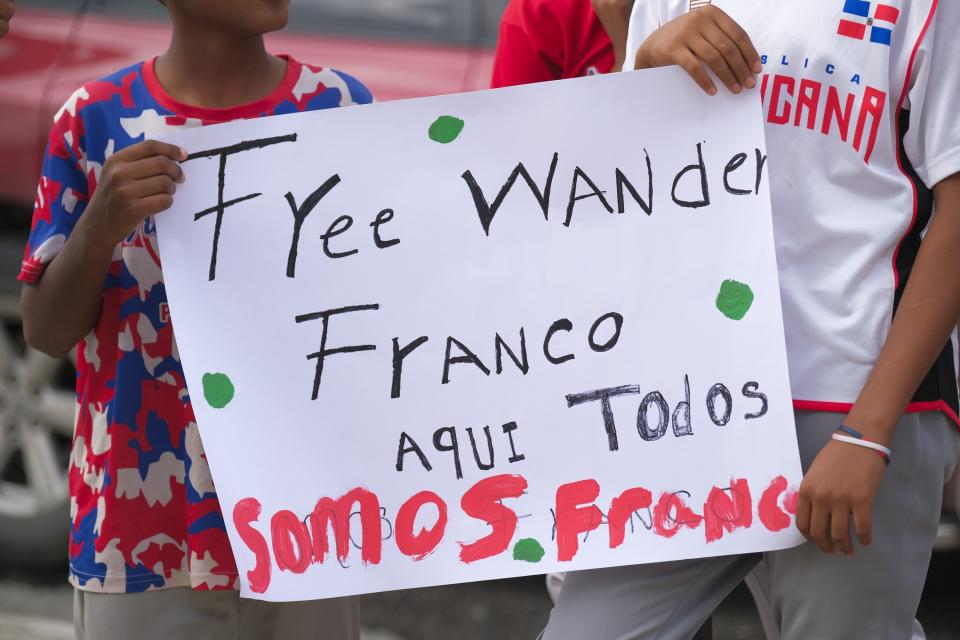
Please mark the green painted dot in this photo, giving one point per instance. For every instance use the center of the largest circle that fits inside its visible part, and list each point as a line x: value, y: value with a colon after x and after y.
x: 735, y: 299
x: 446, y: 129
x: 528, y: 550
x: 217, y: 389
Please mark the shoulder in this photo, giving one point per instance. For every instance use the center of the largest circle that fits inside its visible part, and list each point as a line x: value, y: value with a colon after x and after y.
x: 319, y: 87
x: 114, y: 90
x: 95, y: 109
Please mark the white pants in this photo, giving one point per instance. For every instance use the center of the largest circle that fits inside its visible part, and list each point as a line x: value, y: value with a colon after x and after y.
x: 806, y: 593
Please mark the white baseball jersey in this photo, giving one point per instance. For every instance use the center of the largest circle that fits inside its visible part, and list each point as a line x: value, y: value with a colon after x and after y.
x: 862, y: 103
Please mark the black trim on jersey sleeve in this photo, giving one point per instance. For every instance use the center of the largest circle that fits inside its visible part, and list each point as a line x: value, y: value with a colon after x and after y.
x: 940, y: 382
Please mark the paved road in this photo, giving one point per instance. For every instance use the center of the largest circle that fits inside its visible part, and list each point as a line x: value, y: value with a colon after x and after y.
x: 38, y: 608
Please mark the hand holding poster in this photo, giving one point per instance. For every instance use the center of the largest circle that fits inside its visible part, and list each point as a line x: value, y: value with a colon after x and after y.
x: 485, y: 335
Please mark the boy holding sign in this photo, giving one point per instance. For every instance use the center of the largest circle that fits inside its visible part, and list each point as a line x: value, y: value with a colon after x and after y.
x: 861, y: 98
x: 145, y: 515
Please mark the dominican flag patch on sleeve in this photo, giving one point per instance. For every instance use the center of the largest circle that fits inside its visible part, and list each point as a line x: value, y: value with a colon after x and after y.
x: 859, y: 16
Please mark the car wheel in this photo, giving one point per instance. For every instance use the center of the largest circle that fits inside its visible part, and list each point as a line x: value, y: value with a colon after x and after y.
x: 37, y: 412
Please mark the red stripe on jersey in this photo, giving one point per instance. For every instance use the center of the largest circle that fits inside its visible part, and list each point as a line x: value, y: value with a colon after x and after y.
x: 887, y: 13
x: 846, y: 407
x: 936, y: 405
x: 852, y: 29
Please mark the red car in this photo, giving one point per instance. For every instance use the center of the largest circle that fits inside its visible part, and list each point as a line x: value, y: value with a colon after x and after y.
x: 399, y: 48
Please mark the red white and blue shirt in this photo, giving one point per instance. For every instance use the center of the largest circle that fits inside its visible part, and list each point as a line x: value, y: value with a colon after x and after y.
x: 143, y: 506
x: 862, y: 104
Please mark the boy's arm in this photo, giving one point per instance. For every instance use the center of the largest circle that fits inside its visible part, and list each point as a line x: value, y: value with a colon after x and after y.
x: 843, y: 478
x: 64, y: 304
x: 615, y: 17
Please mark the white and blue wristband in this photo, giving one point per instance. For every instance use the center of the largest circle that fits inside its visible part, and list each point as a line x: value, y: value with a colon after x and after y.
x: 852, y: 436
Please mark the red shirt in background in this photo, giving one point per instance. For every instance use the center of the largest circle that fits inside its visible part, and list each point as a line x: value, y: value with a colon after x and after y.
x: 549, y: 40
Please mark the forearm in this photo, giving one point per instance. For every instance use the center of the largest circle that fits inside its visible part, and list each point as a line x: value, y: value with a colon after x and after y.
x: 615, y: 17
x: 63, y: 307
x: 926, y: 317
x: 134, y: 184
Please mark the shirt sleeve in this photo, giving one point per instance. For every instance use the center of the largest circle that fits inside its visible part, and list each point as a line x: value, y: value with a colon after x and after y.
x: 932, y: 141
x: 359, y: 93
x: 62, y: 193
x: 529, y: 48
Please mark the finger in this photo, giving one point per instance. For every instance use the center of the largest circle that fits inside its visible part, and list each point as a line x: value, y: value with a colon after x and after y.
x: 863, y: 524
x: 149, y: 148
x: 690, y: 63
x: 739, y: 65
x: 152, y: 205
x: 840, y: 529
x: 714, y: 58
x: 154, y: 185
x: 736, y: 33
x: 804, y: 508
x: 155, y: 166
x: 820, y: 528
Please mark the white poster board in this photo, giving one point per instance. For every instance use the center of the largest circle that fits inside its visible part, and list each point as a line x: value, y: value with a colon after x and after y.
x: 495, y: 334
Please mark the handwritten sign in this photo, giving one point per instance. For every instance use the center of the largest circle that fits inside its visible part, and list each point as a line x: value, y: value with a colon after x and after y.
x: 485, y: 335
